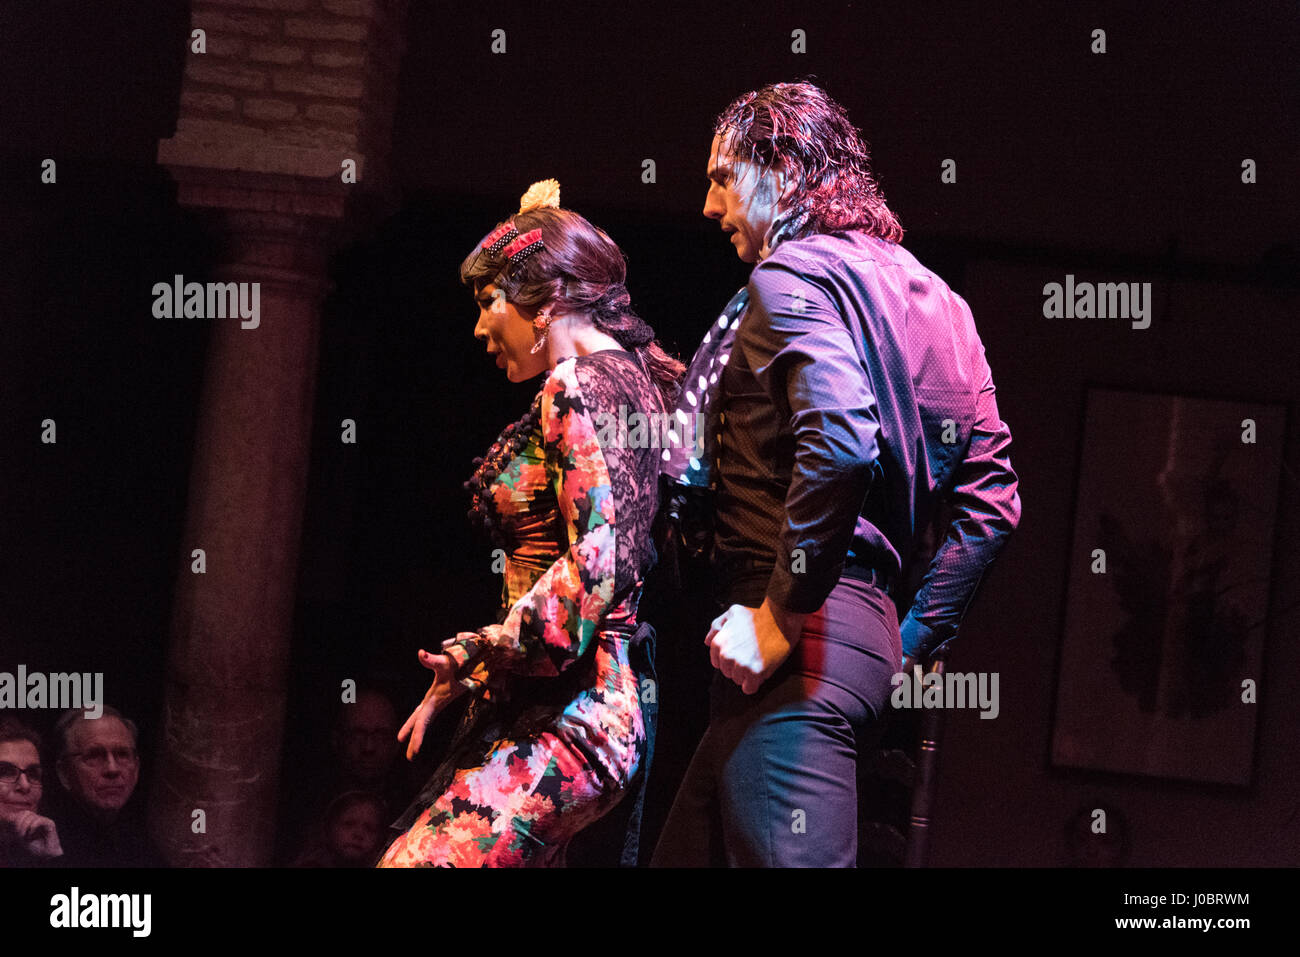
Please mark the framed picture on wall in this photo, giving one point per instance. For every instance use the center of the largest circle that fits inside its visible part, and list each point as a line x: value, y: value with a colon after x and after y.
x: 1168, y: 588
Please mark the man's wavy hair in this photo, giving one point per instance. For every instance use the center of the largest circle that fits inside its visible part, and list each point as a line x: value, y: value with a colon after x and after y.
x: 828, y: 160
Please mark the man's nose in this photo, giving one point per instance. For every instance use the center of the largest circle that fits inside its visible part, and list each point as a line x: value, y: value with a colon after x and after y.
x: 713, y: 207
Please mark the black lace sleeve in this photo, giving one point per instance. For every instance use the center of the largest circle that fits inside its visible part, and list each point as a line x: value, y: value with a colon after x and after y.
x: 631, y: 423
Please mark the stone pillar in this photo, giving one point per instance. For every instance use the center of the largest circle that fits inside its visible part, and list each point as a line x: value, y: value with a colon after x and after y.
x: 287, y: 92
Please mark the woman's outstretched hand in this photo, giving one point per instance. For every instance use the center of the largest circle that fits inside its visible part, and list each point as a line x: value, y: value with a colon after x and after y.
x: 445, y: 689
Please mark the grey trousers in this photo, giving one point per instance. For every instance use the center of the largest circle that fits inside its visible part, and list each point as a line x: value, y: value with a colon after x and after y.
x: 773, y: 782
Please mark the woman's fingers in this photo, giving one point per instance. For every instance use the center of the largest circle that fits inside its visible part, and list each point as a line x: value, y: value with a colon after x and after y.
x: 410, y: 722
x: 419, y: 721
x: 417, y: 738
x: 414, y: 726
x: 440, y: 692
x: 406, y: 728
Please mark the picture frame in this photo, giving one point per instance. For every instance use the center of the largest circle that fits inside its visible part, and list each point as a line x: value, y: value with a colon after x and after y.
x: 1168, y: 587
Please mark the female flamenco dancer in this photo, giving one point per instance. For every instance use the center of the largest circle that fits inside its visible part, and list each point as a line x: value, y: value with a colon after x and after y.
x: 555, y: 732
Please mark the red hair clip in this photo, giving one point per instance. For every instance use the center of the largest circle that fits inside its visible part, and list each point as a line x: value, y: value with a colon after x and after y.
x: 499, y: 237
x: 524, y: 246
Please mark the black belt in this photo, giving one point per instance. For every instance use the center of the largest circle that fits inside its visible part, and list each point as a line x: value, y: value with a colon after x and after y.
x: 635, y: 633
x: 872, y: 576
x: 731, y: 569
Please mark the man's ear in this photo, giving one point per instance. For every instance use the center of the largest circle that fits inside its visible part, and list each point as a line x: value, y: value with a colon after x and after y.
x: 61, y: 769
x: 784, y: 184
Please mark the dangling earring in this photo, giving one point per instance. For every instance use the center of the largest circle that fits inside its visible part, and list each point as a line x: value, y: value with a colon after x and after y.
x: 542, y: 324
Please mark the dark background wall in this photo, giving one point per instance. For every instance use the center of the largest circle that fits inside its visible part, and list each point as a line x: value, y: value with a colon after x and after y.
x: 1125, y: 165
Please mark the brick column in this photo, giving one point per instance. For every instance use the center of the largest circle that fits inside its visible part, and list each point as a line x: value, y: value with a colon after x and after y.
x: 286, y: 91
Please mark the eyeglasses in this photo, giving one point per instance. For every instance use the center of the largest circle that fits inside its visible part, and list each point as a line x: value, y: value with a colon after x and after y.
x: 97, y: 758
x: 9, y: 773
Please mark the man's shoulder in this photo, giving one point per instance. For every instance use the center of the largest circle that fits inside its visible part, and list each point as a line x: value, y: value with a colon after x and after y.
x: 828, y: 253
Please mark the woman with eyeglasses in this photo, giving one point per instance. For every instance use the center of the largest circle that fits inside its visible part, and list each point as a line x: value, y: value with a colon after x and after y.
x: 27, y: 839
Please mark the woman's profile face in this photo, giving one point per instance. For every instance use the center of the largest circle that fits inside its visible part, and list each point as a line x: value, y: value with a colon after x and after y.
x: 508, y: 334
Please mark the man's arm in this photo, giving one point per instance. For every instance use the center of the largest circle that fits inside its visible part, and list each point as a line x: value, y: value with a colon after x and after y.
x: 986, y: 509
x: 804, y: 358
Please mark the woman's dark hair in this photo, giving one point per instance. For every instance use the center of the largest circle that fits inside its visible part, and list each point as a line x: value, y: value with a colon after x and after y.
x: 828, y: 160
x: 347, y: 801
x: 11, y: 729
x: 582, y: 271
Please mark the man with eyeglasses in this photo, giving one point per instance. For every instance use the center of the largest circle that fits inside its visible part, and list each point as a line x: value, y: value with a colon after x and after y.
x: 99, y: 767
x: 27, y: 839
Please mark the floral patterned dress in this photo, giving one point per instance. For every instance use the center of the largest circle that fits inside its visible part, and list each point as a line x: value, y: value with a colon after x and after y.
x: 555, y: 732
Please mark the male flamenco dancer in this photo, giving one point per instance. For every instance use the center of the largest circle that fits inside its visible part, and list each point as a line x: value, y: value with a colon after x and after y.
x: 846, y: 393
